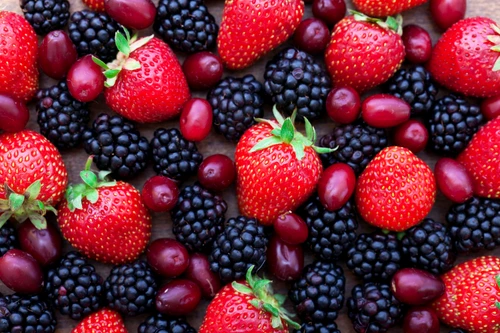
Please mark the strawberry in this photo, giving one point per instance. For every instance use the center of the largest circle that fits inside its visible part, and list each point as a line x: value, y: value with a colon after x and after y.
x: 251, y: 28
x: 18, y: 66
x: 277, y: 168
x: 481, y: 158
x: 364, y: 52
x: 472, y: 295
x: 33, y: 177
x: 103, y: 321
x: 466, y: 59
x: 396, y: 190
x: 105, y: 220
x: 382, y: 8
x: 96, y: 5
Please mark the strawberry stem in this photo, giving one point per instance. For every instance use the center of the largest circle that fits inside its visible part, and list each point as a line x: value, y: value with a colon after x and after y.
x: 391, y: 23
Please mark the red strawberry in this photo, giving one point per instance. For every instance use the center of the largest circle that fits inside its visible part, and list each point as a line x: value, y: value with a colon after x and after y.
x: 105, y: 220
x: 97, y: 5
x: 251, y: 28
x: 364, y: 52
x: 31, y: 165
x: 467, y: 58
x: 396, y: 190
x: 18, y: 67
x: 471, y: 296
x: 481, y: 158
x: 103, y: 321
x: 382, y: 8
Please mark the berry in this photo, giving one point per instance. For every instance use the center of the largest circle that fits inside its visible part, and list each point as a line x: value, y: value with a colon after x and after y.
x: 45, y: 245
x: 56, y: 54
x: 383, y: 110
x: 160, y: 323
x: 8, y: 238
x: 85, y: 79
x: 416, y: 287
x: 160, y: 194
x: 285, y: 261
x: 445, y: 13
x: 453, y: 180
x: 318, y: 328
x: 329, y: 11
x: 382, y: 8
x: 217, y: 172
x: 203, y: 70
x: 200, y: 273
x: 136, y: 14
x: 343, y: 105
x: 411, y: 134
x: 421, y: 319
x: 167, y: 257
x: 418, y: 44
x: 196, y: 119
x: 291, y: 228
x: 311, y: 36
x: 46, y: 16
x: 104, y: 320
x: 336, y: 186
x: 491, y: 108
x: 14, y: 115
x: 26, y: 314
x: 178, y: 297
x: 97, y: 5
x: 20, y: 272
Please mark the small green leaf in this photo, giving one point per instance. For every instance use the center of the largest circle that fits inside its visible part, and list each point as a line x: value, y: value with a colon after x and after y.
x: 497, y: 304
x: 93, y: 196
x: 4, y: 218
x: 293, y: 116
x: 249, y: 276
x: 309, y: 130
x: 110, y: 82
x: 392, y: 23
x: 51, y: 209
x: 287, y: 131
x: 127, y: 33
x: 271, y: 309
x: 496, y: 67
x: 400, y: 235
x: 495, y: 28
x: 298, y: 148
x: 111, y: 73
x: 122, y: 43
x: 324, y: 150
x: 255, y: 302
x: 38, y: 221
x: 34, y: 189
x: 277, y: 115
x: 100, y: 63
x: 497, y: 279
x: 131, y: 64
x: 280, y: 298
x: 276, y: 322
x: 103, y: 174
x: 140, y: 43
x: 107, y: 184
x: 495, y: 39
x: 77, y: 202
x: 261, y: 285
x: 265, y: 143
x: 89, y: 178
x: 276, y: 132
x: 4, y: 205
x: 241, y: 288
x: 41, y: 205
x: 16, y: 201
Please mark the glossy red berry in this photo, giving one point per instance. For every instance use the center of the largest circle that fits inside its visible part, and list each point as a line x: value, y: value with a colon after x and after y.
x: 196, y: 119
x: 418, y: 44
x: 412, y: 135
x: 134, y: 14
x: 178, y: 298
x: 343, y: 105
x: 421, y: 320
x: 56, y: 54
x: 217, y: 172
x: 167, y: 257
x: 311, y: 36
x: 20, y: 272
x: 453, y: 180
x: 199, y: 272
x: 291, y: 228
x: 383, y: 111
x: 329, y: 11
x: 160, y: 193
x: 285, y: 261
x: 445, y: 13
x: 203, y: 70
x: 336, y: 186
x: 85, y: 79
x: 44, y: 245
x: 14, y: 115
x: 416, y: 287
x: 491, y: 107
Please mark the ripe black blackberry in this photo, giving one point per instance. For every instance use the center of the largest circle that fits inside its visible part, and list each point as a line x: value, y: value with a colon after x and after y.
x: 198, y: 217
x: 452, y: 123
x: 131, y: 288
x: 8, y: 239
x: 357, y: 144
x: 242, y: 244
x: 331, y: 233
x: 62, y: 119
x: 318, y: 328
x: 318, y: 295
x: 173, y: 155
x: 236, y: 102
x: 117, y: 146
x: 24, y: 313
x: 416, y: 87
x: 159, y: 323
x: 74, y: 287
x: 475, y: 224
x: 186, y: 25
x: 295, y: 80
x: 429, y: 246
x: 94, y: 33
x: 375, y: 256
x: 373, y: 308
x: 46, y: 15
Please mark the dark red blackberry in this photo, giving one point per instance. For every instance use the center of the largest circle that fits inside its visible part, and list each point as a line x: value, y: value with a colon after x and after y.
x: 62, y: 119
x: 159, y: 323
x: 8, y: 238
x: 46, y: 15
x: 236, y: 102
x: 296, y: 81
x: 318, y: 328
x: 24, y: 313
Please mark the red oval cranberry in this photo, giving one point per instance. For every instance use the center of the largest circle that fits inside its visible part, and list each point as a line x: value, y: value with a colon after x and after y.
x: 202, y: 70
x: 44, y: 245
x: 291, y: 228
x: 14, y: 115
x: 217, y: 172
x: 412, y: 135
x: 329, y: 11
x: 160, y: 193
x: 20, y: 272
x: 56, y: 54
x: 343, y: 105
x: 134, y: 14
x: 285, y: 261
x: 418, y: 44
x: 178, y: 298
x: 312, y: 36
x: 447, y: 12
x: 421, y: 320
x: 491, y: 107
x: 196, y: 119
x: 336, y: 186
x: 167, y: 257
x: 416, y: 287
x: 199, y: 272
x: 85, y: 79
x: 453, y: 180
x: 384, y: 111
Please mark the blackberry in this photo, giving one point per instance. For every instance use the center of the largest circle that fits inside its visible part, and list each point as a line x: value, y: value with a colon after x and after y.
x: 198, y: 217
x: 131, y: 288
x: 173, y: 155
x: 475, y: 224
x: 373, y: 308
x: 318, y: 295
x: 8, y: 239
x: 186, y: 25
x: 331, y: 233
x: 241, y: 245
x: 26, y: 313
x: 356, y: 145
x: 74, y: 287
x: 46, y: 15
x: 429, y: 246
x: 236, y: 102
x: 62, y: 119
x: 318, y: 328
x: 458, y: 330
x: 295, y: 80
x: 94, y: 33
x: 375, y: 257
x: 117, y: 146
x: 415, y: 86
x: 452, y: 123
x: 159, y: 323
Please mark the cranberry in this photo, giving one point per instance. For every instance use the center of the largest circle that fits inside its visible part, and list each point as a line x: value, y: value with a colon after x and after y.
x: 343, y: 105
x: 56, y: 54
x: 199, y: 272
x: 85, y: 79
x: 216, y: 172
x: 416, y: 287
x: 160, y: 193
x: 383, y: 111
x: 491, y: 107
x: 312, y: 36
x: 418, y: 44
x: 285, y: 261
x: 447, y: 12
x: 196, y: 119
x: 203, y: 70
x: 453, y: 180
x: 44, y: 245
x: 336, y: 186
x: 178, y: 298
x: 412, y: 135
x: 14, y: 115
x: 20, y: 272
x: 329, y: 11
x: 421, y: 320
x: 167, y: 257
x: 291, y: 228
x: 134, y: 14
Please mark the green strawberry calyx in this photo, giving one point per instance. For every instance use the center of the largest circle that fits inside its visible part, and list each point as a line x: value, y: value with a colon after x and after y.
x: 75, y: 193
x: 22, y: 207
x: 265, y: 299
x: 497, y: 280
x: 495, y: 39
x: 391, y: 23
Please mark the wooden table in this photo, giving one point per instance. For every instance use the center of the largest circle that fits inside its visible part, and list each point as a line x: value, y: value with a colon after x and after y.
x: 215, y: 143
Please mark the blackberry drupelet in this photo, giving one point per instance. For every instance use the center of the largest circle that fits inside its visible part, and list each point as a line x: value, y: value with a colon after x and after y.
x: 373, y: 308
x: 117, y: 146
x: 429, y: 246
x: 452, y: 123
x: 24, y: 313
x: 94, y: 33
x: 318, y: 328
x: 295, y: 80
x: 159, y: 323
x: 74, y: 287
x: 236, y: 102
x: 8, y: 239
x: 131, y: 288
x: 357, y: 144
x: 318, y: 295
x: 475, y: 224
x: 46, y: 15
x: 415, y: 86
x: 242, y: 244
x: 174, y: 156
x: 198, y: 217
x: 186, y: 25
x: 458, y: 330
x: 375, y: 256
x: 62, y: 119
